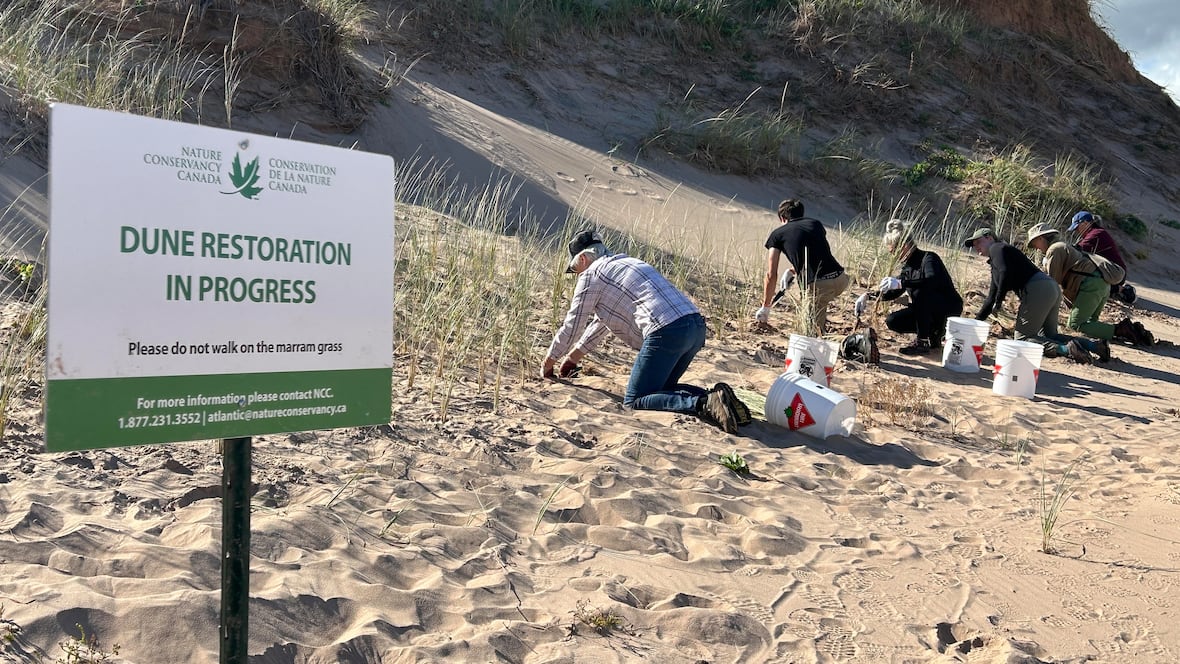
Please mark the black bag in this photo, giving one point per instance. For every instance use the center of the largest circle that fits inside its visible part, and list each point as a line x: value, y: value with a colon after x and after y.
x: 861, y: 347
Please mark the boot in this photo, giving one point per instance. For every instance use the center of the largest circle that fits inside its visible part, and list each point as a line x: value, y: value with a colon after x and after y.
x: 1143, y: 336
x: 1125, y: 330
x: 1102, y: 350
x: 715, y: 409
x: 740, y: 410
x: 1077, y: 353
x: 919, y: 347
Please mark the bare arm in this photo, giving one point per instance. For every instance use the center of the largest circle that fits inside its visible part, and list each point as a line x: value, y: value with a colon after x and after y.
x: 771, y: 282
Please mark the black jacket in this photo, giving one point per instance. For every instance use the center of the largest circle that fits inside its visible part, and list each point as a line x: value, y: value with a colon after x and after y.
x: 928, y: 282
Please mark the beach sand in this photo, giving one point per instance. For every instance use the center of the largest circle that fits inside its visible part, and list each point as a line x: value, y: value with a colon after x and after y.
x: 563, y: 528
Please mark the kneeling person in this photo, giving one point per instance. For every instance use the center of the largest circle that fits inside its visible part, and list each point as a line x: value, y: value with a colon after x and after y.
x: 629, y: 298
x: 924, y: 277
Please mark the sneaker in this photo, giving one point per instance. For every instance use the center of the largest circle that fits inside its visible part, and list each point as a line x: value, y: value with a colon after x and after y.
x: 919, y: 347
x: 1102, y: 350
x: 715, y: 409
x: 1125, y: 330
x: 1077, y: 353
x: 741, y: 411
x: 1051, y: 349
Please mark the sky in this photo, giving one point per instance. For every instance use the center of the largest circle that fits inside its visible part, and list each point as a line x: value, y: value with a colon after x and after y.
x: 1150, y: 31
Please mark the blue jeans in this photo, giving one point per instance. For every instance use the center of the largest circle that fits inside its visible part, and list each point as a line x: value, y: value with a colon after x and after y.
x: 662, y: 360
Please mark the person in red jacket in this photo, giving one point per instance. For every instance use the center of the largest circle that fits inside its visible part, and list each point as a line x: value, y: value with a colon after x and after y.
x: 1094, y: 239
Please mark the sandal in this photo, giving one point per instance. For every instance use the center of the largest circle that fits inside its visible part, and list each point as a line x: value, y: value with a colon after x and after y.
x: 740, y: 410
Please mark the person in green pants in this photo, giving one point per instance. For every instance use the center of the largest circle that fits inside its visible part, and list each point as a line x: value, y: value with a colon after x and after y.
x: 1081, y: 283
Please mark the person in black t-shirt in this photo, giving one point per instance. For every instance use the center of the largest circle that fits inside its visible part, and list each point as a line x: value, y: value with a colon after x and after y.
x: 1040, y: 297
x: 804, y: 242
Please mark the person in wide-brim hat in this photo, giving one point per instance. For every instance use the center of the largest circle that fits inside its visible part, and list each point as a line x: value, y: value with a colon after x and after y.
x: 1082, y: 288
x: 1040, y: 296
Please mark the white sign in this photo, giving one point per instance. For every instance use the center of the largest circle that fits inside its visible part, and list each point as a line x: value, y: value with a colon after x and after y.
x: 209, y: 283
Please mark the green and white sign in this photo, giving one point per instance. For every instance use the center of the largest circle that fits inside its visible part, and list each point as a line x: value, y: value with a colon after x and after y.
x: 207, y: 283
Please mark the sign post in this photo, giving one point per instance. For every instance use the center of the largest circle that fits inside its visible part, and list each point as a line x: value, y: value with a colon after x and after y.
x: 206, y: 283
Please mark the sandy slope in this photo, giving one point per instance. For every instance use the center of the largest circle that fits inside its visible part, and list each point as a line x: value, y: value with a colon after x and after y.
x: 481, y: 537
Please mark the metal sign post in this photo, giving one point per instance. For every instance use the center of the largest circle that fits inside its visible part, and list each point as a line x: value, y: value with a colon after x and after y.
x: 235, y: 550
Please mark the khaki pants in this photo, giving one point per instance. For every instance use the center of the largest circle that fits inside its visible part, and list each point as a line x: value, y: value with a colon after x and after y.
x: 822, y: 293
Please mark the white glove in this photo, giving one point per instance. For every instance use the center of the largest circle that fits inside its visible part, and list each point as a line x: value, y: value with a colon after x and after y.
x: 762, y: 315
x: 889, y: 284
x: 862, y: 303
x: 785, y: 280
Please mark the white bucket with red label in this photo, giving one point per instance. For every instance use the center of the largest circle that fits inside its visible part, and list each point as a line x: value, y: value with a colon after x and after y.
x: 1017, y: 368
x: 799, y: 404
x: 812, y: 358
x: 962, y: 347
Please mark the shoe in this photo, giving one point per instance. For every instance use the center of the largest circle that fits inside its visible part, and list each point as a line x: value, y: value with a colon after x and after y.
x: 1143, y: 336
x: 715, y: 408
x: 741, y: 411
x: 1077, y: 353
x: 1102, y: 350
x: 1051, y: 349
x: 1125, y: 330
x: 919, y: 347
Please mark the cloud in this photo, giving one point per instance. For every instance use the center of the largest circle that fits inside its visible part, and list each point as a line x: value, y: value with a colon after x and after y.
x: 1150, y: 31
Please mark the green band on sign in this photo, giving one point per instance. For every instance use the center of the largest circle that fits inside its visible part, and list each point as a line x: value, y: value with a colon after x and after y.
x: 111, y: 412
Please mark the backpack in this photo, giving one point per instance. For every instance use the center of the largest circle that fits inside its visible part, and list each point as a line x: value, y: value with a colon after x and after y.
x: 861, y: 347
x: 1112, y: 273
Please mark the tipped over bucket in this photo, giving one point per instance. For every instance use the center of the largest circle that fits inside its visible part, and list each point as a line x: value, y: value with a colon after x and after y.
x: 1018, y: 365
x: 799, y: 404
x: 812, y: 358
x: 962, y: 346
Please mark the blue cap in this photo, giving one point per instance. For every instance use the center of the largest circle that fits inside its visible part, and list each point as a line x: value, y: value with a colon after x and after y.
x: 1080, y: 217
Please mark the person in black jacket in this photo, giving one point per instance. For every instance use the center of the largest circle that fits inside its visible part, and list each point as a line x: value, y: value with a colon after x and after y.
x: 923, y: 276
x: 1040, y: 297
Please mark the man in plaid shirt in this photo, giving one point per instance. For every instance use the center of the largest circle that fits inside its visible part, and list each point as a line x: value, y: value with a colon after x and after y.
x: 629, y: 298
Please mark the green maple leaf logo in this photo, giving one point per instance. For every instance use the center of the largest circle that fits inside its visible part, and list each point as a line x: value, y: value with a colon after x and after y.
x: 244, y: 180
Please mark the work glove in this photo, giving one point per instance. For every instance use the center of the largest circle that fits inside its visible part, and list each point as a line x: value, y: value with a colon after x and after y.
x: 762, y: 315
x: 889, y: 284
x: 786, y: 279
x: 862, y: 303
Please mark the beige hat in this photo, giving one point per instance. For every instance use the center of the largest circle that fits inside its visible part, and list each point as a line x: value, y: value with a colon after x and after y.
x: 1039, y: 230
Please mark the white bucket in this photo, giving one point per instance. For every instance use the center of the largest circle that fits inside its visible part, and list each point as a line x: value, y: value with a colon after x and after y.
x: 962, y: 347
x: 1018, y: 365
x: 799, y: 404
x: 811, y: 358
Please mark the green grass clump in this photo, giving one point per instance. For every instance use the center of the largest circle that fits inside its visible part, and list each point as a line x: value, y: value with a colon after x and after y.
x: 741, y: 140
x: 1132, y: 226
x: 734, y: 462
x: 1052, y: 503
x: 58, y: 52
x: 602, y: 621
x: 944, y: 162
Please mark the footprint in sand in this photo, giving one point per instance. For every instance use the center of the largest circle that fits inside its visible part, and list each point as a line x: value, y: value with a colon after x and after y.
x: 621, y: 188
x: 655, y: 196
x: 627, y: 170
x: 595, y: 182
x: 563, y: 176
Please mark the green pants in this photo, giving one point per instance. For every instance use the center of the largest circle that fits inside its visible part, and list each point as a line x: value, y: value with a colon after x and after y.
x: 1083, y: 317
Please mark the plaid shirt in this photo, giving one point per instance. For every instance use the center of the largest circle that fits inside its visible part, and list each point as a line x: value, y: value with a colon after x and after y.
x: 622, y: 295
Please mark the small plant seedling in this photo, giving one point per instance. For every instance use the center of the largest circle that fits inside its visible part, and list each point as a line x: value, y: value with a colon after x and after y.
x: 602, y: 621
x: 1051, y: 505
x: 84, y: 649
x: 734, y: 462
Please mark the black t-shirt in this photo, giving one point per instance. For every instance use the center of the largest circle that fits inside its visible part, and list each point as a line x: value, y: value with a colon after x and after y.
x: 805, y: 244
x: 1011, y: 270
